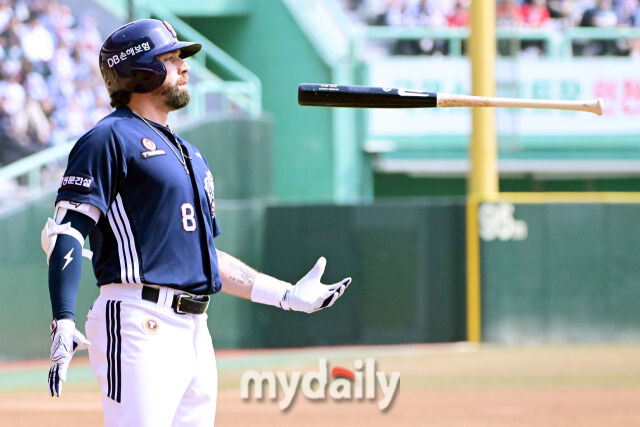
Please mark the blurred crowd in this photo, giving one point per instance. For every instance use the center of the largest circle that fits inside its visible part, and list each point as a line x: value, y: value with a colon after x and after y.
x: 551, y: 14
x: 51, y: 90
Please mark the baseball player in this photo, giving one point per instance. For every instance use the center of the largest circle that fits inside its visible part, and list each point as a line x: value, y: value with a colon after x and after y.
x: 145, y: 198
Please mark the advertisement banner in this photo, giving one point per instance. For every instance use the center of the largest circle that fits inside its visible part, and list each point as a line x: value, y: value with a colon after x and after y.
x: 616, y: 80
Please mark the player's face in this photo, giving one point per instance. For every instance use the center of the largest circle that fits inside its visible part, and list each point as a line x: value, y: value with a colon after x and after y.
x: 174, y: 90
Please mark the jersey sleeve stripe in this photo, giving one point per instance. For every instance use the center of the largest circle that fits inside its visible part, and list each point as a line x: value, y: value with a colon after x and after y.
x: 121, y: 253
x: 126, y: 245
x: 132, y: 242
x: 127, y: 251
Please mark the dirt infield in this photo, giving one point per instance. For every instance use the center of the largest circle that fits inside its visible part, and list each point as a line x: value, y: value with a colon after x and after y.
x: 441, y: 385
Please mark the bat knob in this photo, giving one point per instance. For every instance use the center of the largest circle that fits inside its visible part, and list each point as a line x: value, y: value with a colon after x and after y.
x: 599, y: 105
x: 595, y: 106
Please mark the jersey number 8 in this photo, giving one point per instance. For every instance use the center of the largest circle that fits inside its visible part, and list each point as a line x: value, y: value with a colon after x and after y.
x: 188, y: 219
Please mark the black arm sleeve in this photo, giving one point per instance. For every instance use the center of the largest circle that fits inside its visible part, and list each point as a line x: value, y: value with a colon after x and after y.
x: 65, y: 266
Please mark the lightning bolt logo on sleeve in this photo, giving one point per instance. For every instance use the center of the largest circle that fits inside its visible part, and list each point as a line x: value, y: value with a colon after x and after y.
x: 68, y: 258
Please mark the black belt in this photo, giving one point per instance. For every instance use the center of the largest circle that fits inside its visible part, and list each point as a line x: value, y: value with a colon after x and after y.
x: 182, y: 303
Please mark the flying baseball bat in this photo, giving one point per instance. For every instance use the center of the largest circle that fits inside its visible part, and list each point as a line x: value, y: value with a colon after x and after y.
x: 332, y: 95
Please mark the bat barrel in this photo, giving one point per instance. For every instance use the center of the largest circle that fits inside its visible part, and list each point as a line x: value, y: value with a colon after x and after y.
x: 449, y: 100
x: 332, y: 95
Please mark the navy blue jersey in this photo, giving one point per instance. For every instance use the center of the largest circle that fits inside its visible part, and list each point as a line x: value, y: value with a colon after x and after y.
x: 158, y: 222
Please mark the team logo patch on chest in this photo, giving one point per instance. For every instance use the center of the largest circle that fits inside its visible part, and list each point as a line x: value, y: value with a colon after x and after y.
x: 152, y: 149
x: 151, y: 325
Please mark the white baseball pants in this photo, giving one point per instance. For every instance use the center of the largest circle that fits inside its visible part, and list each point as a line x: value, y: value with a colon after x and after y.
x: 155, y: 367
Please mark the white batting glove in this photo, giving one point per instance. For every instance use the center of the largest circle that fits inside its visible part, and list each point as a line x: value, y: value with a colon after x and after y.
x: 66, y: 340
x: 310, y: 295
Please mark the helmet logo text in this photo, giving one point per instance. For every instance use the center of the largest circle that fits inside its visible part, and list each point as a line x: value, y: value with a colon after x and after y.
x: 132, y: 51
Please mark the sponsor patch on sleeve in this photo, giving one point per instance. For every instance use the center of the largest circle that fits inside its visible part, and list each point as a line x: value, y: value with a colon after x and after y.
x: 79, y: 183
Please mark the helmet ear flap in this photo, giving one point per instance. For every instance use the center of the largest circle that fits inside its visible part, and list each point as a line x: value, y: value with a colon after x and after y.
x: 145, y: 81
x: 158, y: 73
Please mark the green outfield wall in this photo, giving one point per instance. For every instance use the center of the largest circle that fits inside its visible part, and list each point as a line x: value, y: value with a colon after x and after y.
x: 550, y: 272
x: 560, y: 272
x: 407, y: 264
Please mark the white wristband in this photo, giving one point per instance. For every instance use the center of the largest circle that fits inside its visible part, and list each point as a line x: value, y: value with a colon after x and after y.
x: 269, y: 290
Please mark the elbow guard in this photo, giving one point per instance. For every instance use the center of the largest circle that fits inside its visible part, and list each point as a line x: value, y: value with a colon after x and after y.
x: 49, y: 235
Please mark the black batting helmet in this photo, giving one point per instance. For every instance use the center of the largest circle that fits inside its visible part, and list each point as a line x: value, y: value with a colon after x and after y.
x: 128, y: 56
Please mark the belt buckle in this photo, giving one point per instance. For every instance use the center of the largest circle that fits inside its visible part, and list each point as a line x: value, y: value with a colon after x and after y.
x: 177, y: 308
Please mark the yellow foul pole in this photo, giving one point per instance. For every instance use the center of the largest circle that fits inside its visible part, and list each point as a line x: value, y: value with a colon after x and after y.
x: 483, y: 180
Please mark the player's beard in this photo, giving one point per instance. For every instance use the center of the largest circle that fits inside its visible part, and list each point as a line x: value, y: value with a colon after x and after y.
x: 174, y: 97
